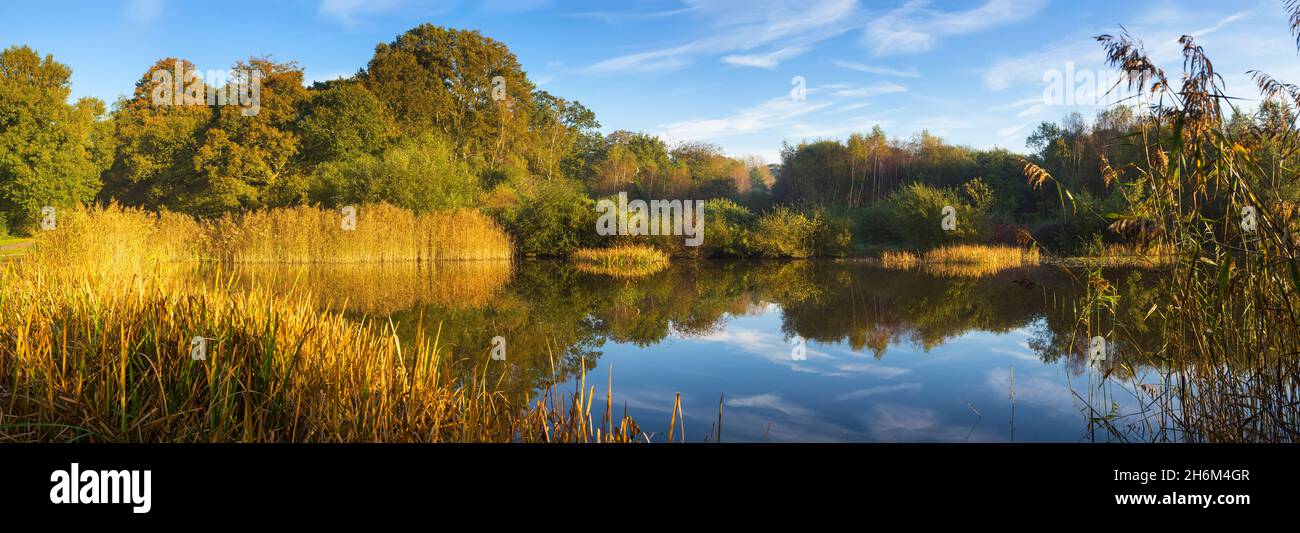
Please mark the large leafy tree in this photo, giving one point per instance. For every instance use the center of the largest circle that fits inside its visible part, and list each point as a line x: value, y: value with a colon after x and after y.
x: 460, y: 84
x: 245, y: 160
x: 565, y: 136
x: 51, y: 152
x: 153, y: 165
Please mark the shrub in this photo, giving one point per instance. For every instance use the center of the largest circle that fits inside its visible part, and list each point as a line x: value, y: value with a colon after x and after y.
x: 918, y: 213
x: 728, y: 229
x: 421, y: 174
x: 547, y: 217
x: 875, y: 224
x: 787, y: 232
x: 834, y: 235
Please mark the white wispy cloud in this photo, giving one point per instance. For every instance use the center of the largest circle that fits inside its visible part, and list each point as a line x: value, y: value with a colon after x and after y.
x: 871, y: 90
x: 736, y: 27
x: 1021, y: 103
x: 883, y: 71
x: 774, y: 113
x: 514, y: 6
x: 617, y: 17
x: 1159, y: 28
x: 1029, y: 70
x: 767, y: 60
x: 916, y: 27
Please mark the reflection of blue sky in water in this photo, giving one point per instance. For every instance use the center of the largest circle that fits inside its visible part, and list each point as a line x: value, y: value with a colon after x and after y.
x: 836, y: 394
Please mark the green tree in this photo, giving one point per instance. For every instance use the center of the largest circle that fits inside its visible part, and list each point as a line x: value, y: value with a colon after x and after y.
x: 566, y: 136
x: 245, y: 160
x: 445, y: 81
x: 344, y: 121
x: 51, y: 152
x: 153, y: 164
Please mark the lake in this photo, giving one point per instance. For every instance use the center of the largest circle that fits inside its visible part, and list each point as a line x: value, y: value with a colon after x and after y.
x: 888, y: 355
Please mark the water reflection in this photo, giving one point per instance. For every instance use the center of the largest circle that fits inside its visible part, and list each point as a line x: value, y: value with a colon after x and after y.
x: 891, y: 356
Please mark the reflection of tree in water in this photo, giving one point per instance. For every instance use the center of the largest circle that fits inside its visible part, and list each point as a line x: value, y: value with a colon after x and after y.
x: 1061, y: 335
x: 871, y: 308
x: 549, y: 308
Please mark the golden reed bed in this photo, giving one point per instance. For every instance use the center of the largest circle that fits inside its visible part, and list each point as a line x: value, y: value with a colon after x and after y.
x: 133, y: 238
x: 962, y: 260
x: 628, y: 261
x: 98, y: 335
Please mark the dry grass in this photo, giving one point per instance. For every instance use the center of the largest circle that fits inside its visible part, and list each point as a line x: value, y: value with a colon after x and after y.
x: 117, y: 239
x: 963, y: 260
x: 377, y: 289
x: 120, y: 238
x: 383, y: 234
x: 900, y: 260
x: 621, y: 261
x: 98, y: 357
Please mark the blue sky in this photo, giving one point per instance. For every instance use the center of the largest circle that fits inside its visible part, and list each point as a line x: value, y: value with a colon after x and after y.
x: 971, y: 71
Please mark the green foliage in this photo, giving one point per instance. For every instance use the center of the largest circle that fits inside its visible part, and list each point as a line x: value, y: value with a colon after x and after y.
x: 875, y: 224
x: 421, y: 174
x: 787, y: 232
x: 153, y: 165
x: 345, y: 121
x: 563, y: 137
x: 441, y: 80
x: 51, y: 152
x: 547, y: 217
x: 918, y: 215
x: 208, y: 160
x: 245, y: 160
x: 1080, y: 227
x: 728, y: 229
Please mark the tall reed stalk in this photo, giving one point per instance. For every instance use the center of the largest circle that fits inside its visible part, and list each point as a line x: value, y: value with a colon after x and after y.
x: 1228, y: 368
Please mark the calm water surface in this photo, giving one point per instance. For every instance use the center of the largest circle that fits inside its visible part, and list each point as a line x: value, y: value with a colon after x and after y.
x: 890, y: 355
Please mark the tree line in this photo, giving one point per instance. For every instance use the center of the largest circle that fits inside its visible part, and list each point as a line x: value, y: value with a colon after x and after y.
x: 444, y: 118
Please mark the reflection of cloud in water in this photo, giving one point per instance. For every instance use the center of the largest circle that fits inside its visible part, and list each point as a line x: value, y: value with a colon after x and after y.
x: 750, y: 340
x: 878, y: 390
x: 903, y: 423
x: 654, y: 400
x: 1033, y: 390
x: 770, y: 401
x: 757, y: 426
x: 878, y: 370
x: 1025, y: 354
x: 777, y: 349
